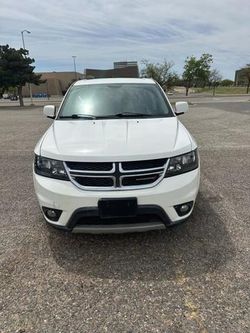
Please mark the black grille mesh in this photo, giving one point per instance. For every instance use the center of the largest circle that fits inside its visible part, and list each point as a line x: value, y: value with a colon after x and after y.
x: 94, y: 182
x: 90, y: 166
x: 139, y: 180
x: 137, y: 165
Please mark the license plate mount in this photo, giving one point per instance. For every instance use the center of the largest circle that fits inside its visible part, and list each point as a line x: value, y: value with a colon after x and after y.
x: 118, y: 207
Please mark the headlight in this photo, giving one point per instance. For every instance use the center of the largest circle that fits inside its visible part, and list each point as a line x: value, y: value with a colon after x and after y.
x: 50, y: 168
x: 182, y: 163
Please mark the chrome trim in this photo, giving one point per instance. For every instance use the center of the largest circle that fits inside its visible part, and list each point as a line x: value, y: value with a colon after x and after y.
x: 138, y: 187
x: 139, y: 175
x: 140, y: 170
x: 90, y: 176
x: 91, y: 171
x: 89, y: 188
x: 121, y: 188
x: 94, y: 188
x: 142, y: 174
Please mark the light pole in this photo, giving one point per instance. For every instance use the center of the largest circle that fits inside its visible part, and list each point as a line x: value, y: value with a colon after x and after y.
x: 74, y: 60
x: 30, y: 89
x: 28, y: 32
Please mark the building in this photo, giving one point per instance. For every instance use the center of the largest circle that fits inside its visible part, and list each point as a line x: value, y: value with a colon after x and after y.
x: 121, y: 69
x: 241, y: 78
x: 122, y: 64
x: 109, y: 73
x: 56, y: 83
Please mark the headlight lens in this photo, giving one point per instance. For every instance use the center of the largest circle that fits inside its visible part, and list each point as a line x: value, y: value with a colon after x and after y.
x: 50, y: 168
x: 182, y: 163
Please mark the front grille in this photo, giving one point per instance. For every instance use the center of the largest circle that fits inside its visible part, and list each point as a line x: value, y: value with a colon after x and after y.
x: 117, y: 175
x: 140, y: 179
x: 94, y: 181
x: 90, y: 166
x: 148, y: 164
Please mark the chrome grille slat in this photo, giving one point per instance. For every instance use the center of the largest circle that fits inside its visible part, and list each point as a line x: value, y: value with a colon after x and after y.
x: 143, y: 165
x: 143, y: 174
x: 90, y: 176
x: 135, y: 178
x: 94, y: 171
x: 138, y: 170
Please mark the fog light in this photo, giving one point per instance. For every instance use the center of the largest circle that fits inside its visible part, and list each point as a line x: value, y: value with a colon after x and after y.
x: 184, y: 208
x: 52, y: 213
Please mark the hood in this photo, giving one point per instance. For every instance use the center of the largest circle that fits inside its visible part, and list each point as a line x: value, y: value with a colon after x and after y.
x: 115, y: 139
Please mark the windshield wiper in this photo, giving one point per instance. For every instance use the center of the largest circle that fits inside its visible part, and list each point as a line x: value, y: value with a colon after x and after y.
x: 110, y: 116
x: 78, y: 116
x: 128, y: 115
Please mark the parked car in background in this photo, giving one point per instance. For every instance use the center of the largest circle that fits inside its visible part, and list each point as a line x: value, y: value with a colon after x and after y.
x: 40, y: 95
x: 13, y: 97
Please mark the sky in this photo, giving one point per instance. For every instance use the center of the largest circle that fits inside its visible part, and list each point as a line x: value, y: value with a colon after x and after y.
x: 101, y: 32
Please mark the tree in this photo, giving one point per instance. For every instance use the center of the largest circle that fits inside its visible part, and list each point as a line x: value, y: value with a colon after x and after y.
x: 246, y: 74
x: 226, y: 83
x: 16, y: 70
x: 196, y: 71
x: 162, y: 73
x: 214, y: 79
x: 189, y: 74
x: 68, y: 86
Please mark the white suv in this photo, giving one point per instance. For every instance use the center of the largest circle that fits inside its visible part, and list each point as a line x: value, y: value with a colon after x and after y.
x: 116, y: 159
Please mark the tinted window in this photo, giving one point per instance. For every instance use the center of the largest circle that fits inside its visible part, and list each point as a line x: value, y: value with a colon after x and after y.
x: 107, y: 100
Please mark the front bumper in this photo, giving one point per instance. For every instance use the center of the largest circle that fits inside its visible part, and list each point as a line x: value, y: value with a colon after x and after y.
x: 78, y: 205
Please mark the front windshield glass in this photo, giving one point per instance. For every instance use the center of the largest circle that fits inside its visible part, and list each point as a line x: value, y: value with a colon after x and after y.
x: 115, y: 100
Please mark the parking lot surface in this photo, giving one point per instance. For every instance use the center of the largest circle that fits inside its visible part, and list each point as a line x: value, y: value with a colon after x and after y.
x: 189, y: 278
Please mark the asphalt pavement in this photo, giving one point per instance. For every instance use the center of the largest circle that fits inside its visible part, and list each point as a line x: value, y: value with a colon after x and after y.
x: 189, y: 278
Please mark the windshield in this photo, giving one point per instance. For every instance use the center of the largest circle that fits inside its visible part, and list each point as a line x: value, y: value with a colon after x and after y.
x: 115, y: 100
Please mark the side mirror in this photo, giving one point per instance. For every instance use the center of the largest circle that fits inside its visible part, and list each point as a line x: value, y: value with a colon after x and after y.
x: 181, y: 107
x: 49, y: 111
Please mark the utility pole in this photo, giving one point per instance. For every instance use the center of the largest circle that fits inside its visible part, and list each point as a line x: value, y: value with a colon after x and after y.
x: 29, y: 85
x: 74, y: 60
